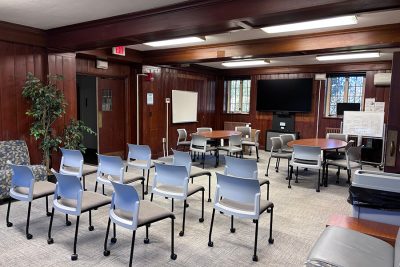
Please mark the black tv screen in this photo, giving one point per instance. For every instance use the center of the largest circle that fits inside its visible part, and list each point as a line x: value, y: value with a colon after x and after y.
x: 342, y: 107
x: 291, y: 95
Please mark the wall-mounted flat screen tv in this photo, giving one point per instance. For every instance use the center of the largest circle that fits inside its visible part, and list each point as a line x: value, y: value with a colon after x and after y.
x: 289, y: 95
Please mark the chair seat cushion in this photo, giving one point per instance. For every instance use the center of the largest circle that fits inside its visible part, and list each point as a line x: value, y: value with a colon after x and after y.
x: 88, y: 169
x: 248, y: 143
x: 343, y: 163
x: 148, y: 213
x: 196, y: 171
x: 283, y: 155
x: 344, y: 247
x: 140, y: 164
x: 184, y: 143
x: 131, y: 177
x: 230, y: 149
x: 90, y: 200
x: 192, y: 188
x: 230, y: 204
x: 304, y: 161
x: 40, y: 189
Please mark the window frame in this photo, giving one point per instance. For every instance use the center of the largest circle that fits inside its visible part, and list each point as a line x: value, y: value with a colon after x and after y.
x: 227, y: 94
x: 328, y: 89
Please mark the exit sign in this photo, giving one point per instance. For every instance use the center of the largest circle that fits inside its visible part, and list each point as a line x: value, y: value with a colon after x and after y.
x: 119, y: 50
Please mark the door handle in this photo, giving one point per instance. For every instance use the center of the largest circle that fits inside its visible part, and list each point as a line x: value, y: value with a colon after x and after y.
x: 392, y: 149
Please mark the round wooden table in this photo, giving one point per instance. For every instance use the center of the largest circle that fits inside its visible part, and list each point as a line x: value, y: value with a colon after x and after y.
x: 220, y: 134
x: 324, y: 144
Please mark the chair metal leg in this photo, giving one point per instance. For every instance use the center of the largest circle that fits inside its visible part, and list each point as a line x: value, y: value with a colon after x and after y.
x: 67, y: 222
x: 209, y: 188
x: 95, y: 187
x: 232, y: 228
x: 210, y: 243
x: 147, y: 240
x: 74, y: 256
x: 268, y: 190
x: 28, y: 235
x: 203, y: 159
x: 47, y: 207
x: 151, y: 197
x: 337, y: 175
x: 114, y: 238
x: 288, y: 167
x: 147, y: 182
x: 142, y: 189
x: 106, y: 252
x: 348, y: 176
x: 271, y: 240
x: 181, y: 233
x: 126, y: 169
x: 202, y: 207
x: 297, y: 175
x: 91, y: 227
x: 255, y: 257
x: 172, y: 205
x: 84, y: 182
x: 319, y: 180
x: 103, y: 189
x: 257, y: 153
x: 173, y: 255
x: 132, y: 248
x: 269, y: 161
x: 9, y: 224
x: 49, y: 238
x: 290, y: 176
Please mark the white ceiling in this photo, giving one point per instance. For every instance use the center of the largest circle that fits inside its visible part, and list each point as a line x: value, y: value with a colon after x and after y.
x: 364, y: 20
x: 47, y: 14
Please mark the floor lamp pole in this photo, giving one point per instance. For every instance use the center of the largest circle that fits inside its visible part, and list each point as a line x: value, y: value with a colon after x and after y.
x: 137, y: 106
x: 167, y: 101
x: 319, y: 102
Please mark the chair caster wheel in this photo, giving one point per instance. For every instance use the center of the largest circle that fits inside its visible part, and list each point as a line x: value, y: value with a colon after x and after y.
x: 201, y: 220
x: 74, y: 257
x: 287, y: 178
x: 68, y: 223
x: 211, y: 244
x: 209, y: 200
x: 289, y: 186
x: 233, y: 230
x: 296, y: 181
x: 317, y: 190
x: 255, y: 258
x: 173, y: 256
x: 50, y: 241
x: 271, y: 240
x: 187, y: 205
x: 266, y: 174
x: 9, y: 224
x: 146, y: 192
x: 106, y: 253
x: 28, y: 236
x: 91, y: 228
x: 48, y: 214
x: 146, y: 241
x: 113, y: 240
x: 181, y: 233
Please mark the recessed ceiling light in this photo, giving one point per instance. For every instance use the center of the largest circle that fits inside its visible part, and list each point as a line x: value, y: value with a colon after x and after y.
x: 313, y: 24
x: 349, y: 56
x: 245, y: 63
x: 185, y: 40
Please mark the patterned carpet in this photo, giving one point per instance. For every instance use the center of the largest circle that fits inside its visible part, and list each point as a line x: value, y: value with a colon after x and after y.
x: 300, y: 216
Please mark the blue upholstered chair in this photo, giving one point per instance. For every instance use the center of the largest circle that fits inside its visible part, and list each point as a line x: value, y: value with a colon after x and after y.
x: 139, y: 157
x: 128, y: 211
x: 240, y: 197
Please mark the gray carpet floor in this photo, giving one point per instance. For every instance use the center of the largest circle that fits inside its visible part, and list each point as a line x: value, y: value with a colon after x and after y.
x: 300, y: 216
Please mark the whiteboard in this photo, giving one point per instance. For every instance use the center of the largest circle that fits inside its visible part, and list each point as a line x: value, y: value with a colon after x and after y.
x: 184, y: 106
x: 363, y: 123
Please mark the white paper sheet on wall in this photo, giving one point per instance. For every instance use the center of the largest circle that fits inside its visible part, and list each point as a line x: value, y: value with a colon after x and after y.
x: 369, y: 104
x: 379, y: 107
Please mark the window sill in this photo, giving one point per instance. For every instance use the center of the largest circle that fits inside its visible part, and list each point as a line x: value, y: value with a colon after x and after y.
x: 333, y: 117
x: 236, y: 113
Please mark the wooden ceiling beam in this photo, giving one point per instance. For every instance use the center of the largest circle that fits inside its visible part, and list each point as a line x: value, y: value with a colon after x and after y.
x: 200, y: 18
x: 336, y: 41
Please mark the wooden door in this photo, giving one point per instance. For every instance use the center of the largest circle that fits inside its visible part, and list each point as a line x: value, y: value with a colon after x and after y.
x: 111, y: 116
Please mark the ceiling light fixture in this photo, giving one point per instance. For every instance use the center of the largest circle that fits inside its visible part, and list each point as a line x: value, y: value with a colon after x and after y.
x: 245, y: 63
x: 349, y: 56
x: 313, y: 24
x: 178, y: 41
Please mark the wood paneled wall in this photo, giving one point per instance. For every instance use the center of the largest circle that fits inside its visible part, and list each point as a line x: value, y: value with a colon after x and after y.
x: 305, y: 123
x: 153, y: 117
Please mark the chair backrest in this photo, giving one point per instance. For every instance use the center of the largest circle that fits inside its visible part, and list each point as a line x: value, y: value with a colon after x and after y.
x: 198, y: 142
x: 73, y: 159
x: 125, y: 197
x: 354, y: 153
x: 235, y: 141
x: 22, y: 176
x: 181, y: 158
x: 276, y: 144
x: 349, y: 144
x: 171, y: 175
x: 246, y: 131
x: 312, y: 153
x: 182, y: 135
x: 139, y: 152
x: 110, y: 165
x: 337, y: 136
x: 286, y: 138
x: 245, y: 168
x: 68, y: 186
x: 237, y: 189
x: 204, y: 129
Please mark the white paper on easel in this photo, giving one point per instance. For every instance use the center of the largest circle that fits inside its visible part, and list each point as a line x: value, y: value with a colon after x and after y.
x: 369, y: 104
x: 380, y: 106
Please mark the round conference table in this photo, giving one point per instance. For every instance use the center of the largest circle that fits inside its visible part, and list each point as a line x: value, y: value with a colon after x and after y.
x: 324, y: 144
x: 219, y: 134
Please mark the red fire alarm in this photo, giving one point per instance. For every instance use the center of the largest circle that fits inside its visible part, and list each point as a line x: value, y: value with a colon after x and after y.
x: 119, y: 50
x: 149, y: 77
